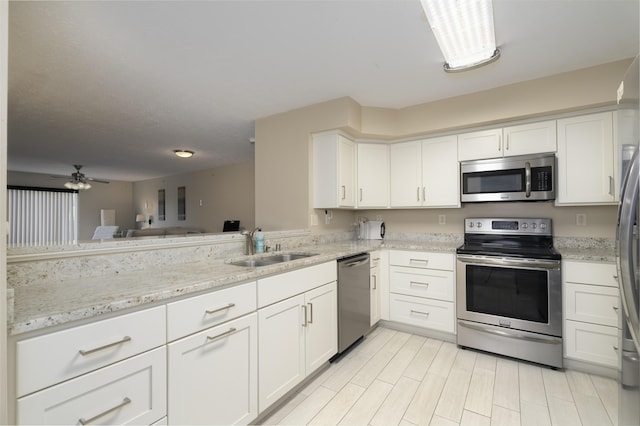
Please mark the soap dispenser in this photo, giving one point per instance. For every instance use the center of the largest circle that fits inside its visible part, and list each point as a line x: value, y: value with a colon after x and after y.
x: 259, y: 238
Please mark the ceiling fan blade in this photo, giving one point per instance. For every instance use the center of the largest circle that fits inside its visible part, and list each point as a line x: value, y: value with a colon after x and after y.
x: 95, y: 180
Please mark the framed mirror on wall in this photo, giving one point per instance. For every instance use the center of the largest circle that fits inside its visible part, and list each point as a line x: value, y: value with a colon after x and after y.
x: 161, y: 204
x: 182, y: 213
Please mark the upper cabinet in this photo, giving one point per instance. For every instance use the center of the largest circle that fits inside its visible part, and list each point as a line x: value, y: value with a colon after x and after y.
x: 586, y: 169
x: 425, y: 173
x: 334, y: 171
x: 532, y: 138
x: 373, y: 175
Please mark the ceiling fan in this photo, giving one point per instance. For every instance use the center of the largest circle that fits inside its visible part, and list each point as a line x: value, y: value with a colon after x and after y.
x: 78, y: 179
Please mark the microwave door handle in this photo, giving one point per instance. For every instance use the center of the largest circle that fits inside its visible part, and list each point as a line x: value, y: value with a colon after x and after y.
x: 527, y: 177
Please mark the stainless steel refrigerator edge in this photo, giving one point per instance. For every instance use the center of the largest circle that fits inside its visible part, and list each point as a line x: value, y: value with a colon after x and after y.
x: 354, y: 306
x: 627, y: 252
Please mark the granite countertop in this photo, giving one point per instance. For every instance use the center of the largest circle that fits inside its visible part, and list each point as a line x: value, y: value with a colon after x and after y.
x: 588, y: 254
x: 58, y: 302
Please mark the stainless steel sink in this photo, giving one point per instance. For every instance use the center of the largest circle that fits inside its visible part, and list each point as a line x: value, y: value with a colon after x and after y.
x: 271, y: 260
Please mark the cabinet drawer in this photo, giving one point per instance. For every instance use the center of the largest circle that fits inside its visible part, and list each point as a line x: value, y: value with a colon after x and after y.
x: 590, y: 273
x: 197, y: 313
x: 427, y: 313
x: 591, y: 343
x: 419, y: 259
x: 129, y: 392
x: 279, y: 287
x: 591, y: 303
x: 46, y: 360
x: 434, y: 284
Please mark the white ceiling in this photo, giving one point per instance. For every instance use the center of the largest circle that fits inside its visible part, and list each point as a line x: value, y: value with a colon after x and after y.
x: 116, y: 86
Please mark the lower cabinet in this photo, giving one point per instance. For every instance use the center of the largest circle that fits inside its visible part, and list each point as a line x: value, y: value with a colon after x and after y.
x: 422, y: 289
x: 297, y: 335
x: 591, y: 307
x: 132, y: 391
x: 213, y: 377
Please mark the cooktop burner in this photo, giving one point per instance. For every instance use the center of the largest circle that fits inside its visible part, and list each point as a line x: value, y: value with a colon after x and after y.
x: 509, y: 237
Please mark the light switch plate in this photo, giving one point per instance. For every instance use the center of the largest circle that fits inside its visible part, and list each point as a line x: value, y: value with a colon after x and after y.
x: 442, y: 219
x: 581, y: 219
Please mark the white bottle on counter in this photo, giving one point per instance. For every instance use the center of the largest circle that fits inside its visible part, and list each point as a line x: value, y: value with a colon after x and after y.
x: 259, y: 239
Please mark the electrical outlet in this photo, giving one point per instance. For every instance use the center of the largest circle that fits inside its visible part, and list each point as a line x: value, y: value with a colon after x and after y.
x: 314, y: 219
x: 581, y: 219
x: 328, y: 215
x: 378, y: 217
x: 442, y: 219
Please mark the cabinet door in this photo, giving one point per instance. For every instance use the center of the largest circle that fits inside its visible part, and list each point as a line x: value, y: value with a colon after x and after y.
x: 440, y: 173
x: 530, y: 138
x: 585, y: 160
x: 346, y: 172
x: 213, y: 375
x: 281, y: 364
x: 592, y: 343
x: 373, y: 175
x: 375, y: 288
x: 321, y: 325
x: 406, y: 174
x: 478, y: 145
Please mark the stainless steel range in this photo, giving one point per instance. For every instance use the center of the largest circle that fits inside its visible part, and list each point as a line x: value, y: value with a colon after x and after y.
x: 509, y: 289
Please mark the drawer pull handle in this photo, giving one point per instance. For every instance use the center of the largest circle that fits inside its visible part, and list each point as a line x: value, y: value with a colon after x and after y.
x: 425, y: 261
x: 124, y: 402
x: 221, y: 335
x: 229, y: 306
x: 615, y: 308
x: 615, y: 348
x: 426, y: 314
x: 90, y: 351
x: 310, y: 313
x: 304, y: 324
x: 418, y: 283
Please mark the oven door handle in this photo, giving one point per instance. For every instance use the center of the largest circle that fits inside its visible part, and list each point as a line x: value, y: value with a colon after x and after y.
x: 527, y: 174
x: 512, y: 334
x: 509, y: 262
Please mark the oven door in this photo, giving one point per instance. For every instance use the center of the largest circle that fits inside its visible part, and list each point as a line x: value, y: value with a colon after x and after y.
x: 521, y: 294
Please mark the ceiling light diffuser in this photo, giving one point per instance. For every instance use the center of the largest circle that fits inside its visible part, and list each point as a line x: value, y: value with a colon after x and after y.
x: 184, y: 153
x: 464, y: 31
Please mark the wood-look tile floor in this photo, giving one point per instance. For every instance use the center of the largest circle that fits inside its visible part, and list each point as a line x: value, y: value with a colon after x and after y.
x: 397, y: 378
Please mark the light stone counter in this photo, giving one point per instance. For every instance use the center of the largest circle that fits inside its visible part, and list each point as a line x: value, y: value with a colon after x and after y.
x: 586, y: 249
x: 60, y: 301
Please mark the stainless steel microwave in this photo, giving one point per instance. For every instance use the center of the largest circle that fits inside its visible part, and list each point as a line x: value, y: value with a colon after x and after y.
x: 518, y: 178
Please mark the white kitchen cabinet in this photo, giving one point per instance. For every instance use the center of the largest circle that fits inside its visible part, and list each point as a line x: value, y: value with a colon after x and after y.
x: 422, y: 289
x: 480, y: 144
x: 132, y: 391
x: 334, y: 171
x: 374, y: 281
x: 373, y: 175
x: 297, y: 335
x: 213, y: 376
x: 591, y: 307
x: 530, y: 138
x: 586, y: 167
x: 425, y: 173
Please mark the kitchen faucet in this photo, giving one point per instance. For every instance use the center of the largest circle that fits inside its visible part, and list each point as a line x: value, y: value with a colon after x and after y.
x: 249, y: 245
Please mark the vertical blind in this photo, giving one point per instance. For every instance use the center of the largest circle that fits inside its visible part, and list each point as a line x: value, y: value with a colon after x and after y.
x: 39, y: 217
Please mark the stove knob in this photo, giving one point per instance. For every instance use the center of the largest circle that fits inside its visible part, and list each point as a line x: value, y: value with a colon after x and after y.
x: 479, y: 224
x: 543, y: 226
x: 470, y: 224
x: 534, y: 226
x: 524, y: 225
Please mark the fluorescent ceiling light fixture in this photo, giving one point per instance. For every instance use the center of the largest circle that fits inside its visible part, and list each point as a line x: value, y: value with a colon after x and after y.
x: 464, y: 31
x: 184, y: 153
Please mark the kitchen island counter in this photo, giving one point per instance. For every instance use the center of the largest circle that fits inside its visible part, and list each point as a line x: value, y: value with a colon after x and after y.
x: 59, y: 301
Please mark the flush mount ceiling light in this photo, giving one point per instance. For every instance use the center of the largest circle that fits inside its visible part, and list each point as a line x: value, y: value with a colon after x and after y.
x: 464, y: 31
x: 183, y: 153
x: 77, y: 185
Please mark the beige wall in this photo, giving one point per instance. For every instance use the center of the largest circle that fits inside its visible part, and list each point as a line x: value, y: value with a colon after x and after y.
x: 282, y: 152
x: 284, y: 165
x: 212, y: 196
x: 115, y: 195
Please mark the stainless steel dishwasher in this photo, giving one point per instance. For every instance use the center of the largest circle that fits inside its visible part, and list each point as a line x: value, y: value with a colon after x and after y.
x: 354, y: 306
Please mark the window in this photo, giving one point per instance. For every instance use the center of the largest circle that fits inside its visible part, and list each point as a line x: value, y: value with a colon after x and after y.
x: 41, y: 216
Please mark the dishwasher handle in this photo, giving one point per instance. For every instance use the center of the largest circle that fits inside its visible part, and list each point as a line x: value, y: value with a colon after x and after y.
x: 351, y: 262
